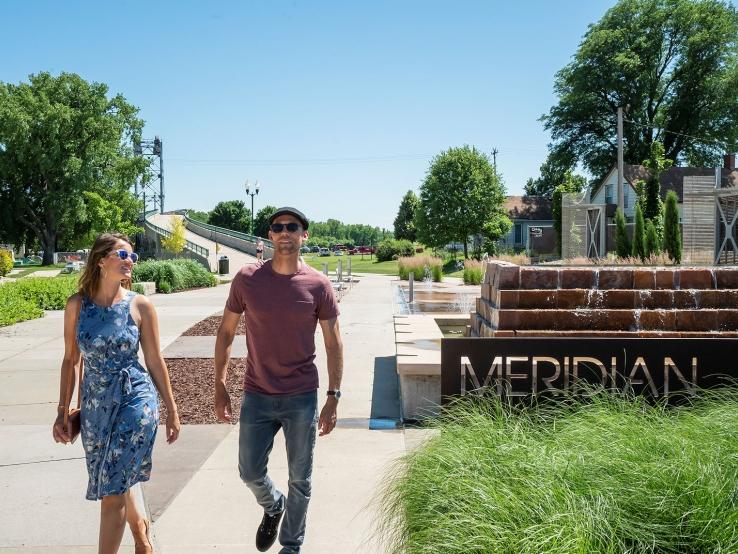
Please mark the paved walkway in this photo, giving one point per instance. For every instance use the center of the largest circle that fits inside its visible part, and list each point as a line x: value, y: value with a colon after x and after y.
x: 237, y: 259
x: 195, y: 497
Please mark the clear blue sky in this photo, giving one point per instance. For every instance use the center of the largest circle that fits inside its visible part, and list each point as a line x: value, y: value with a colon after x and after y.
x: 336, y: 107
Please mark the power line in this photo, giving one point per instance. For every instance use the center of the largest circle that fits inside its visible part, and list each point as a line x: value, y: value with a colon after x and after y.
x: 336, y: 161
x: 725, y: 145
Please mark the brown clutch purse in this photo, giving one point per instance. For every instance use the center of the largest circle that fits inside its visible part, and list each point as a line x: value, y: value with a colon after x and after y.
x: 72, y: 416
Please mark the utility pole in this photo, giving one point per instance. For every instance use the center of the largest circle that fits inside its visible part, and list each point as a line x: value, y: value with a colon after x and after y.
x: 494, y: 157
x: 620, y: 160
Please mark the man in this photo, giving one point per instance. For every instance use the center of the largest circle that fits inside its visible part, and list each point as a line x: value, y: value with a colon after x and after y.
x: 283, y: 299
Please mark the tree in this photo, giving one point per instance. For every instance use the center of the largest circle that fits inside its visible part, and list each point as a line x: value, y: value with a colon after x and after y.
x: 261, y: 221
x: 651, y: 245
x: 198, y: 215
x: 231, y: 214
x: 673, y: 62
x: 570, y: 183
x: 622, y: 242
x: 405, y: 221
x: 175, y: 242
x: 98, y: 214
x: 672, y: 231
x: 59, y: 137
x: 639, y: 242
x: 462, y: 195
x: 554, y: 172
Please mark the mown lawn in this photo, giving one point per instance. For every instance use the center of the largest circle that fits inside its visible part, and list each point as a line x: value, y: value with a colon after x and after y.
x: 367, y: 265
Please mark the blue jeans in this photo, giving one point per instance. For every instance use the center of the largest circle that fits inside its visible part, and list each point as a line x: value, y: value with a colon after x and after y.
x: 262, y: 416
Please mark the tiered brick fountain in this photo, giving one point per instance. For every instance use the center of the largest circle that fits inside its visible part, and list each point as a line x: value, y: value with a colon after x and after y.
x: 606, y: 301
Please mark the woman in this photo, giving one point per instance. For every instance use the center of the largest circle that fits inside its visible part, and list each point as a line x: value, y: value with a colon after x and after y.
x: 103, y: 324
x: 260, y: 250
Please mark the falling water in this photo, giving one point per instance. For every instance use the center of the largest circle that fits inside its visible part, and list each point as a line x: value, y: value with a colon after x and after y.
x: 427, y: 277
x: 637, y: 316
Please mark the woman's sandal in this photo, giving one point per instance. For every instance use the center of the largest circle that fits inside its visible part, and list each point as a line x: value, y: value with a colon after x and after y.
x: 141, y: 547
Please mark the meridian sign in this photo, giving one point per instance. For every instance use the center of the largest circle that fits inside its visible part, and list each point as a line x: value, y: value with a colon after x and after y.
x: 654, y: 367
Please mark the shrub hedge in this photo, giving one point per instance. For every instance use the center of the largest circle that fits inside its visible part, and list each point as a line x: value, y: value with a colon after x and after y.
x: 27, y: 298
x: 6, y: 262
x: 174, y: 275
x: 391, y: 249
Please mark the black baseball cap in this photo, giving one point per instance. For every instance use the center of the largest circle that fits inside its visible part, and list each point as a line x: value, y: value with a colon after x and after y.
x: 290, y: 211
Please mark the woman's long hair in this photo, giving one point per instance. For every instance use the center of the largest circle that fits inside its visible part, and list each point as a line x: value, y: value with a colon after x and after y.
x: 89, y: 281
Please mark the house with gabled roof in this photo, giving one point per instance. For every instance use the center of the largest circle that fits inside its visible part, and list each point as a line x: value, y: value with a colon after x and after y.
x: 605, y: 192
x: 532, y: 225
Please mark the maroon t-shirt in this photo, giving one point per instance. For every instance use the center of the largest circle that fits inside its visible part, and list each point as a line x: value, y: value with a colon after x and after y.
x: 281, y: 313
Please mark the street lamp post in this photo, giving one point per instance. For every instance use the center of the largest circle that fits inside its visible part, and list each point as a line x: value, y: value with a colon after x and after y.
x: 247, y: 186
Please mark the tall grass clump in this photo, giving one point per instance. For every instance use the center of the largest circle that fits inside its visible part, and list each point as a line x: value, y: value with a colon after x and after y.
x: 174, y: 275
x: 473, y: 272
x: 417, y: 265
x: 27, y: 298
x: 606, y: 474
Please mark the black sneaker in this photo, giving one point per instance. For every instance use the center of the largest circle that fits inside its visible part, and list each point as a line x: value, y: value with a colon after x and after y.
x: 266, y: 534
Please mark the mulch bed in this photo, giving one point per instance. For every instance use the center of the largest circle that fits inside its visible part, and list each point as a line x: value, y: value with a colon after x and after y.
x: 209, y: 327
x: 193, y: 384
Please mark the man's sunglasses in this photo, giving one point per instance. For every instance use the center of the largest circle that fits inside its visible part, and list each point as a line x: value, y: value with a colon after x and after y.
x: 291, y: 227
x: 125, y: 254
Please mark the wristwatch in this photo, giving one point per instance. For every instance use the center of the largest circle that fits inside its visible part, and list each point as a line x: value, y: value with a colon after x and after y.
x: 336, y: 393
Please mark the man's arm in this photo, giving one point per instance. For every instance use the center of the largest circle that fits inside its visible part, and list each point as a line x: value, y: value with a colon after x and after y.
x: 226, y: 333
x: 334, y: 352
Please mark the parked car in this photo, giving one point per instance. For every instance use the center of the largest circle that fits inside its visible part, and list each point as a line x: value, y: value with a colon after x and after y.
x: 366, y: 250
x: 353, y: 251
x: 324, y: 252
x: 304, y: 250
x: 315, y: 249
x: 338, y: 252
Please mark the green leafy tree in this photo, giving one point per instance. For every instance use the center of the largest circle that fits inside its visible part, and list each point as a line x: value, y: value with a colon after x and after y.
x: 261, y: 221
x: 175, y: 242
x: 231, y: 214
x: 622, y: 242
x: 462, y: 195
x: 198, y: 215
x: 673, y: 62
x: 672, y: 231
x: 99, y: 214
x: 639, y: 239
x: 405, y: 221
x: 569, y: 183
x: 60, y: 137
x: 554, y: 172
x: 652, y: 239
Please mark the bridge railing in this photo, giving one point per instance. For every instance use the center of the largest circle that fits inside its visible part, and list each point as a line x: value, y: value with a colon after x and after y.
x: 228, y: 232
x: 191, y: 246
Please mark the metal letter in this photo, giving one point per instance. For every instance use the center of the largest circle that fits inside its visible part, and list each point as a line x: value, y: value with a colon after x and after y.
x: 547, y: 381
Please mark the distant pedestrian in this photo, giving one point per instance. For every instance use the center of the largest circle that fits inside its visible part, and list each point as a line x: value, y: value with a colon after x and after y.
x: 260, y: 250
x: 103, y: 325
x: 283, y: 299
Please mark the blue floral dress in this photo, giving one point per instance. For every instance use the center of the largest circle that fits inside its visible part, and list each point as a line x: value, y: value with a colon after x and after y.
x: 120, y: 405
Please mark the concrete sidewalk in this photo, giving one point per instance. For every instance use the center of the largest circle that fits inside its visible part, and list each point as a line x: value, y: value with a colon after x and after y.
x: 195, y: 497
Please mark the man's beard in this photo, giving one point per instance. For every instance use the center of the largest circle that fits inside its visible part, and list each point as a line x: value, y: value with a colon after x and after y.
x: 289, y: 248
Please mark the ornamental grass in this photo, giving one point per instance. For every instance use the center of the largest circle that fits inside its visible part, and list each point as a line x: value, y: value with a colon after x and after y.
x: 605, y: 474
x: 473, y: 272
x: 421, y: 267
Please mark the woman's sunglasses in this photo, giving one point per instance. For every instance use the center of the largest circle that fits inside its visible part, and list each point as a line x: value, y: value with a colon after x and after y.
x: 125, y: 254
x: 291, y: 227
